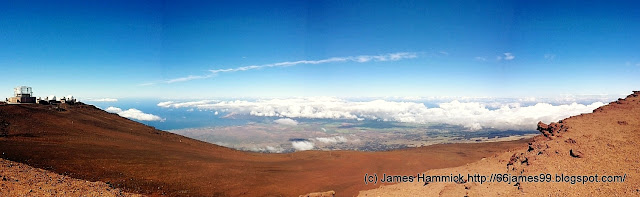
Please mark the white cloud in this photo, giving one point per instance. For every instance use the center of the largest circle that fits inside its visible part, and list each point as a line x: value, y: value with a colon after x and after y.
x: 103, y: 100
x: 268, y: 149
x: 286, y: 121
x: 482, y: 59
x: 332, y: 140
x: 549, y: 56
x: 272, y: 149
x: 509, y: 56
x: 360, y: 59
x: 472, y: 115
x: 134, y: 114
x: 187, y: 78
x: 302, y: 145
x: 113, y: 110
x: 628, y: 63
x: 474, y: 126
x: 147, y: 84
x: 184, y: 104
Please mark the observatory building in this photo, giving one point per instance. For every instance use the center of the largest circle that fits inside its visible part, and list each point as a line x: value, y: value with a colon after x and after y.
x: 22, y: 94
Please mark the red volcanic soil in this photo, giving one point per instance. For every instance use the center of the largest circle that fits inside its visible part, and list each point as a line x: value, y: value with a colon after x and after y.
x: 22, y: 180
x: 84, y: 142
x: 569, y: 154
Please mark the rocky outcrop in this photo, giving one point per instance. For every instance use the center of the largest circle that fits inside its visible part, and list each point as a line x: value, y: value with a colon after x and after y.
x: 575, y: 153
x: 552, y: 130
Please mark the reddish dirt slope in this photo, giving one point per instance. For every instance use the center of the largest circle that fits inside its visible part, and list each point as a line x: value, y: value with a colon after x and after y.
x: 87, y: 143
x: 604, y: 142
x: 17, y: 179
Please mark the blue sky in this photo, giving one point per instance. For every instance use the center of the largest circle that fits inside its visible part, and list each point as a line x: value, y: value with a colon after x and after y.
x: 122, y: 49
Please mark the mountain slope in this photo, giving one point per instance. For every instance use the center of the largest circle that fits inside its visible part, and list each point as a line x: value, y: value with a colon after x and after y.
x: 22, y: 180
x: 603, y: 143
x: 84, y: 142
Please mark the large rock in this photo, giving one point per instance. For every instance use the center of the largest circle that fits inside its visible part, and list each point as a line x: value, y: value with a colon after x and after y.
x: 553, y: 129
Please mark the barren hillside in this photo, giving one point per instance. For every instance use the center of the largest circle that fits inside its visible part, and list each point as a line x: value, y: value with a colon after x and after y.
x: 603, y: 143
x: 84, y: 142
x: 22, y: 180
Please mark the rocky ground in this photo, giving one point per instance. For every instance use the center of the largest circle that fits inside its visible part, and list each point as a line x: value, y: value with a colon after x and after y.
x: 604, y: 142
x: 17, y: 179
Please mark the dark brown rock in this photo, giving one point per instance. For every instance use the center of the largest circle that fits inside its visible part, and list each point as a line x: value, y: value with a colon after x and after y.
x: 575, y: 153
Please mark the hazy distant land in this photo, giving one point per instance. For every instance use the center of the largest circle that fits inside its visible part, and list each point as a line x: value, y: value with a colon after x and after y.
x: 343, y: 135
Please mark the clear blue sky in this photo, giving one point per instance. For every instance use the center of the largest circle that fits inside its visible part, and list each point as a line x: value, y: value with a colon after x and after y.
x: 135, y: 48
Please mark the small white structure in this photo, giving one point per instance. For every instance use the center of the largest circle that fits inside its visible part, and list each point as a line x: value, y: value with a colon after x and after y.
x: 22, y: 91
x: 51, y: 98
x: 68, y: 99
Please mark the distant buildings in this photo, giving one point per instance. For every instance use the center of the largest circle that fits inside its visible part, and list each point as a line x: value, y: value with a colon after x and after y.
x: 68, y: 99
x: 24, y: 94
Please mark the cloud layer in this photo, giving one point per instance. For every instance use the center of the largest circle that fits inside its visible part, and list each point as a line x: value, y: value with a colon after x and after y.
x: 472, y: 115
x: 359, y: 59
x: 134, y: 114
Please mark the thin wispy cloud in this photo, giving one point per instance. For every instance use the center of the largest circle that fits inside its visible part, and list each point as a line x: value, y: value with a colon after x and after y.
x: 507, y: 56
x: 549, y: 56
x: 482, y: 59
x: 187, y: 78
x: 359, y: 59
x: 103, y: 99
